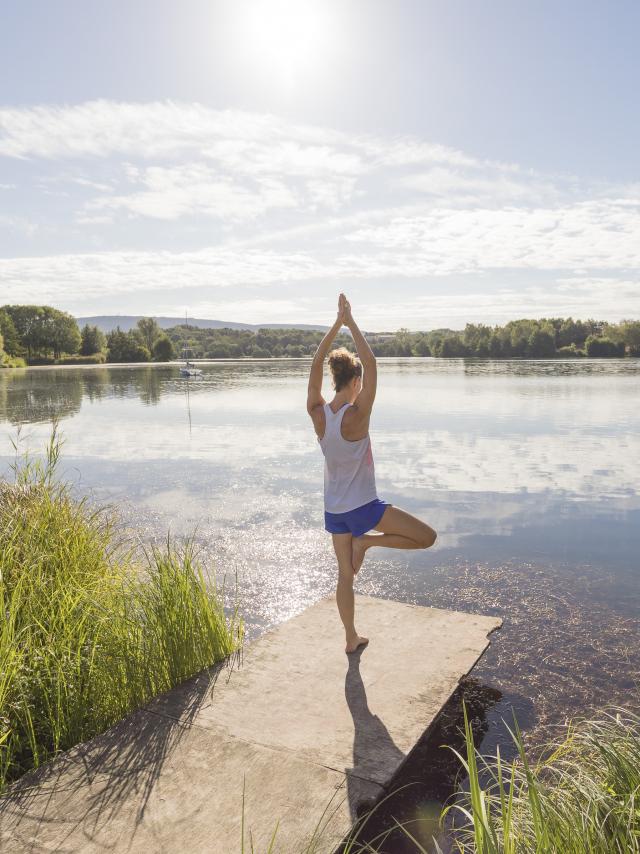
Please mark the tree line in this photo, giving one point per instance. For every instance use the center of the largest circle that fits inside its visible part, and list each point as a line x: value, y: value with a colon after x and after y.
x: 42, y: 334
x: 525, y: 338
x: 545, y: 338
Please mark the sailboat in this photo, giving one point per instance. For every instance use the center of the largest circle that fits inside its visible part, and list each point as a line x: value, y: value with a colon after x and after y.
x: 188, y: 369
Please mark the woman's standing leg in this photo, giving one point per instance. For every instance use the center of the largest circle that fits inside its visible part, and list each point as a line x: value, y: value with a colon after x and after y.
x: 344, y: 591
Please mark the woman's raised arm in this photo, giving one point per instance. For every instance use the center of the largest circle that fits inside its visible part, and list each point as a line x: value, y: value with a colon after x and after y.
x: 314, y: 392
x: 364, y: 401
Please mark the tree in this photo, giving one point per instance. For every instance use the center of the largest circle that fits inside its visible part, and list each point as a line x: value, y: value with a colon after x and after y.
x: 495, y: 346
x: 93, y: 340
x: 61, y: 332
x: 163, y: 349
x: 421, y: 347
x: 603, y: 347
x: 476, y: 338
x: 219, y: 350
x: 403, y: 341
x: 149, y: 331
x: 44, y: 330
x: 630, y: 332
x: 27, y: 320
x: 124, y: 347
x: 260, y: 353
x: 12, y: 345
x: 519, y: 332
x: 453, y: 347
x: 541, y: 344
x: 571, y: 331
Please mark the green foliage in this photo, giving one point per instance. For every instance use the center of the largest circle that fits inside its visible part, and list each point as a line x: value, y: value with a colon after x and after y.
x: 541, y: 343
x: 11, y: 345
x: 43, y: 333
x: 89, y: 632
x: 525, y: 339
x: 477, y: 338
x: 625, y: 333
x: 43, y: 330
x: 93, y: 340
x: 93, y: 359
x: 570, y: 351
x: 603, y: 347
x: 149, y: 331
x: 126, y: 347
x: 581, y: 795
x: 12, y: 361
x: 163, y: 349
x: 243, y: 343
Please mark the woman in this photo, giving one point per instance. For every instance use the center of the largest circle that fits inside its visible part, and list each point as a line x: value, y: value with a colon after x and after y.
x: 352, y: 507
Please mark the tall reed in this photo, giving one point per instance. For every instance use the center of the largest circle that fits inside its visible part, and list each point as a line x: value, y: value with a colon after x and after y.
x: 90, y: 631
x: 582, y: 794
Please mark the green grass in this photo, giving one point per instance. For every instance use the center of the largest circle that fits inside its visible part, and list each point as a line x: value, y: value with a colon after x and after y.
x: 582, y: 796
x: 11, y: 361
x: 91, y: 631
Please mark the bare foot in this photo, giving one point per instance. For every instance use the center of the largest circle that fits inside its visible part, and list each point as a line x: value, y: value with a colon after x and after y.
x: 358, y: 549
x: 353, y: 645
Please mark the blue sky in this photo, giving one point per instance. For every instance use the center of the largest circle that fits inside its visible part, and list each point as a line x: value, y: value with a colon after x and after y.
x: 442, y: 162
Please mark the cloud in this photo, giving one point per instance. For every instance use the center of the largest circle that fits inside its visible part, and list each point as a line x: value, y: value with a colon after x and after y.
x: 58, y: 278
x: 62, y: 279
x: 173, y: 192
x: 474, y: 189
x: 600, y: 234
x: 318, y: 166
x: 242, y: 140
x: 291, y: 202
x: 19, y: 224
x: 602, y: 298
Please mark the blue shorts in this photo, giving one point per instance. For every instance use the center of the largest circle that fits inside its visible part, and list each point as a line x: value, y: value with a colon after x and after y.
x: 358, y: 521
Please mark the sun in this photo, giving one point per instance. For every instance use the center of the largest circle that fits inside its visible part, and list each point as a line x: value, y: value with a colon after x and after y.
x: 286, y: 38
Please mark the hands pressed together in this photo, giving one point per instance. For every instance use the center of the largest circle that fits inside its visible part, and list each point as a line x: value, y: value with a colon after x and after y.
x: 344, y: 311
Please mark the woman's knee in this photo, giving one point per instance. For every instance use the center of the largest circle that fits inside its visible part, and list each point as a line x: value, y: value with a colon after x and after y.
x: 345, y: 579
x: 345, y: 570
x: 427, y: 537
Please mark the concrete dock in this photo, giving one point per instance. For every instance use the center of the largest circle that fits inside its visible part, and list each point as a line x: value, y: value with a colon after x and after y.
x: 295, y: 721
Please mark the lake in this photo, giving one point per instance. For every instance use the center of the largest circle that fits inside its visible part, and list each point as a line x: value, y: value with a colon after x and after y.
x: 528, y: 470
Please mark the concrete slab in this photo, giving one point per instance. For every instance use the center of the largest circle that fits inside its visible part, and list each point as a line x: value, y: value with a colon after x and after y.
x: 297, y: 717
x: 294, y: 691
x: 184, y: 793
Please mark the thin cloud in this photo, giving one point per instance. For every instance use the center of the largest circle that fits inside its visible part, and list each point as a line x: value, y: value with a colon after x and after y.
x: 271, y: 202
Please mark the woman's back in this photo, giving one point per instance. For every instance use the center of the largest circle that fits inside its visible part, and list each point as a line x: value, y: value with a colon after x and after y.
x: 349, y: 474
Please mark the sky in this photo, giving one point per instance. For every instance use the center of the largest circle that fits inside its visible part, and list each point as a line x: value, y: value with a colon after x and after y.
x: 441, y: 162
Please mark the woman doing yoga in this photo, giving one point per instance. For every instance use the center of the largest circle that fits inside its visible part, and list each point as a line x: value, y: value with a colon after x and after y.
x: 351, y: 503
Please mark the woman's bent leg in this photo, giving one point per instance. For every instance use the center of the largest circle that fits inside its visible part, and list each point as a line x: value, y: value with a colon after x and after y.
x: 344, y: 590
x: 399, y: 530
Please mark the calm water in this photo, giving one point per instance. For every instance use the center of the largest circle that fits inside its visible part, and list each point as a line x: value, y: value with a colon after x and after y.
x: 528, y: 470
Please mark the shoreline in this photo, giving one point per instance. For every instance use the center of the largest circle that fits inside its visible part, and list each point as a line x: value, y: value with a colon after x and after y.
x: 251, y: 360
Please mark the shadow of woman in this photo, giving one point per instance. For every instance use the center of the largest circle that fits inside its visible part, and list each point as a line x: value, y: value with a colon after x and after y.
x: 375, y: 755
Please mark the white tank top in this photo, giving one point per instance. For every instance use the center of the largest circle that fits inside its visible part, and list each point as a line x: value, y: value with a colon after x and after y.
x: 349, y: 476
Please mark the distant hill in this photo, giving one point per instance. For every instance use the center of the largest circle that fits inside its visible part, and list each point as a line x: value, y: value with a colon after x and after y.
x: 107, y: 323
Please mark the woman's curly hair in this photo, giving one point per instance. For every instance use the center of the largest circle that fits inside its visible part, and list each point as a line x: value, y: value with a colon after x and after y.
x: 344, y: 366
